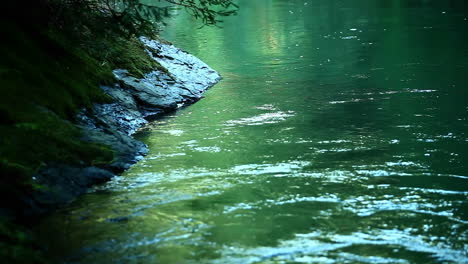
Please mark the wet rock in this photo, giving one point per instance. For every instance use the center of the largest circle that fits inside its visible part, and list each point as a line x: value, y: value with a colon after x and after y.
x: 189, y: 72
x: 138, y: 100
x: 158, y: 92
x: 63, y: 184
x: 184, y: 82
x: 135, y: 101
x: 127, y: 149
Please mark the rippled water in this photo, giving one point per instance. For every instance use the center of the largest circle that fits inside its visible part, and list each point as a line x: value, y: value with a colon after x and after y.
x: 338, y: 135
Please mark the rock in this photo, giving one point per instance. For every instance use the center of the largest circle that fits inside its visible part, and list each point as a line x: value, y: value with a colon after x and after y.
x: 189, y: 72
x: 138, y: 100
x: 127, y: 149
x: 135, y: 101
x: 62, y: 185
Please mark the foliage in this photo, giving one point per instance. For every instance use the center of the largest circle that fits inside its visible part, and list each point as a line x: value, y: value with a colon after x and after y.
x: 130, y: 17
x: 107, y: 30
x: 147, y: 12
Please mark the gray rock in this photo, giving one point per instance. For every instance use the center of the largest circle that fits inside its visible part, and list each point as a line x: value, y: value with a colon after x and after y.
x: 189, y: 77
x: 134, y: 101
x: 63, y: 184
x: 127, y: 149
x: 190, y: 73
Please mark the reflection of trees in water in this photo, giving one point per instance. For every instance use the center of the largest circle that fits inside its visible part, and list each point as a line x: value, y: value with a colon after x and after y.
x: 342, y: 51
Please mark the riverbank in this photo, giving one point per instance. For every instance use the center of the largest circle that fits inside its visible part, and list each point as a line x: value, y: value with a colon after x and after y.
x: 76, y: 82
x: 135, y: 101
x: 67, y: 124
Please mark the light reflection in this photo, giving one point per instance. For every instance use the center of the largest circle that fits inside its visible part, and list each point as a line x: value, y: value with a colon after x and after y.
x: 338, y: 135
x: 266, y: 118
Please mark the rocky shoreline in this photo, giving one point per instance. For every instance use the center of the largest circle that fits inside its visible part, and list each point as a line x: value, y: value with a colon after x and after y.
x: 180, y: 82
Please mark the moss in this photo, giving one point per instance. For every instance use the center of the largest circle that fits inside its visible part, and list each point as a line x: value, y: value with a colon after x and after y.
x: 135, y: 59
x: 17, y: 244
x: 43, y: 83
x: 48, y: 139
x: 48, y: 72
x: 123, y: 53
x: 46, y: 77
x: 39, y: 70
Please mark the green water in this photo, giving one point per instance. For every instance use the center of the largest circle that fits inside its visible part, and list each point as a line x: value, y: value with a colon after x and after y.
x: 338, y: 135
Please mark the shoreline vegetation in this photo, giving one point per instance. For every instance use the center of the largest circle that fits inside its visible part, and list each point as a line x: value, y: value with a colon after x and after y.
x: 58, y: 62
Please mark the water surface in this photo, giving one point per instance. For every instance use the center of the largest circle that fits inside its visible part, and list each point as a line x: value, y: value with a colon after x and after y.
x: 338, y: 135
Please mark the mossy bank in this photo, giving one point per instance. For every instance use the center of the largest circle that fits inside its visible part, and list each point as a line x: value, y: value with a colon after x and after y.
x: 69, y: 104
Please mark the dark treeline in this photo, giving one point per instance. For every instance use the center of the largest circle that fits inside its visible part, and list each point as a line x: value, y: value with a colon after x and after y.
x: 130, y: 16
x: 90, y: 24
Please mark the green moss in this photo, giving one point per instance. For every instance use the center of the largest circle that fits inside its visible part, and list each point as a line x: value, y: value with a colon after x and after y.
x: 17, y: 245
x: 135, y: 59
x: 123, y: 53
x: 46, y: 77
x: 39, y: 70
x: 43, y: 83
x: 44, y: 138
x: 48, y: 72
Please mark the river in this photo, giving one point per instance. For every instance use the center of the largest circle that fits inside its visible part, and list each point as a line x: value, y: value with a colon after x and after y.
x: 338, y: 135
